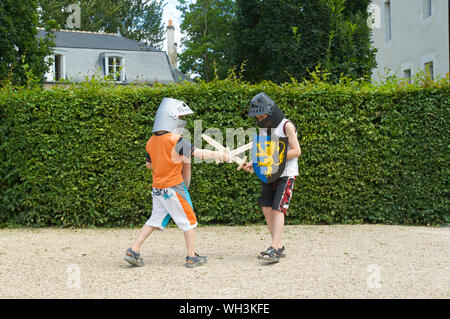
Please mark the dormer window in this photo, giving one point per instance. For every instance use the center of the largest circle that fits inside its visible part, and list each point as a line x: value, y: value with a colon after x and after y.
x: 114, y: 66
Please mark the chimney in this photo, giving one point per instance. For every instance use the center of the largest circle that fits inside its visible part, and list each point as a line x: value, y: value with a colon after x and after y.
x: 171, y: 45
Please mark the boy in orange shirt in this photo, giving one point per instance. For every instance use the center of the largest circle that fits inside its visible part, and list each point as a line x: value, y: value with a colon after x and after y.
x: 168, y: 155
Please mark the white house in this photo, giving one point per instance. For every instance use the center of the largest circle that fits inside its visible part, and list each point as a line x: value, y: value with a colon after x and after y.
x: 410, y: 35
x: 79, y: 55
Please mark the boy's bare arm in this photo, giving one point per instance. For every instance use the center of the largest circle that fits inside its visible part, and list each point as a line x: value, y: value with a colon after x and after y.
x: 207, y: 154
x: 295, y: 150
x: 186, y: 172
x: 148, y: 161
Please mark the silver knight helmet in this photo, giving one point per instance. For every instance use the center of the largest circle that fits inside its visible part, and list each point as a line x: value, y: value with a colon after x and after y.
x: 261, y: 104
x: 168, y: 113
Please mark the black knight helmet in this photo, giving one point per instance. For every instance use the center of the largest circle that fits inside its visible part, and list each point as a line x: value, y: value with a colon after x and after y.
x: 261, y: 104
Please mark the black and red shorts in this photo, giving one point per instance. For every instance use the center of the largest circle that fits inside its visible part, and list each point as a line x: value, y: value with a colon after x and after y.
x: 277, y: 194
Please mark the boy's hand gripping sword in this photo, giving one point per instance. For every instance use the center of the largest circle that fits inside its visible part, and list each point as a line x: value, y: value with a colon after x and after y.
x: 233, y: 154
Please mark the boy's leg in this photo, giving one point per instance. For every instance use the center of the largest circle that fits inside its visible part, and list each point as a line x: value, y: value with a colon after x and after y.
x: 266, y: 203
x: 282, y: 199
x: 158, y: 220
x: 275, y: 223
x: 272, y: 193
x: 189, y: 236
x: 276, y: 216
x: 192, y: 258
x: 268, y: 214
x: 182, y: 212
x: 132, y: 254
x: 277, y: 228
x: 143, y: 235
x: 180, y: 205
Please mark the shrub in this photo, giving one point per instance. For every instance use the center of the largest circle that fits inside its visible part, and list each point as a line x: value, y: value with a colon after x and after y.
x: 74, y: 155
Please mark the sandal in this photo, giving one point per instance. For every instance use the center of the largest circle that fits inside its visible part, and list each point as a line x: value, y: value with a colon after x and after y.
x: 261, y: 253
x: 133, y: 258
x: 196, y: 261
x: 272, y: 253
x: 281, y: 252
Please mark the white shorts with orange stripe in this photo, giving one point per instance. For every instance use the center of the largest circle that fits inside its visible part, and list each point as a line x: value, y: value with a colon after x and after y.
x: 175, y: 203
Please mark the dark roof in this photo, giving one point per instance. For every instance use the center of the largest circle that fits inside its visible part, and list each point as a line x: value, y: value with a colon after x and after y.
x: 92, y: 40
x: 179, y: 76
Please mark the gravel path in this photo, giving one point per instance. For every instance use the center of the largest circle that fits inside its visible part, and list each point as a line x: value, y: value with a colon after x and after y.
x: 339, y: 261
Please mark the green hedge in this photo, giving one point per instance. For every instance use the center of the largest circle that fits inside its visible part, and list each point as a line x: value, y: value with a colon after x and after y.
x: 74, y: 156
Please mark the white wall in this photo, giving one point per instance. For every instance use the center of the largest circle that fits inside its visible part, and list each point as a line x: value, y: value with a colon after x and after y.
x: 415, y: 40
x: 139, y: 66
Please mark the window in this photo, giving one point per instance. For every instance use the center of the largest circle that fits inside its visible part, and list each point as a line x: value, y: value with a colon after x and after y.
x: 427, y: 8
x: 114, y: 64
x: 428, y: 68
x: 57, y: 70
x: 58, y: 67
x: 387, y: 21
x: 115, y: 68
x: 407, y: 75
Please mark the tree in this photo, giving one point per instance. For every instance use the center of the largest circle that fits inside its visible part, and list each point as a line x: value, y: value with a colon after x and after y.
x: 282, y: 39
x: 278, y: 39
x: 208, y: 28
x: 22, y: 54
x: 139, y: 20
x: 349, y: 49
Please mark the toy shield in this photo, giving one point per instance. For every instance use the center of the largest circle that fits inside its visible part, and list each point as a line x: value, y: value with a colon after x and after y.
x: 269, y: 157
